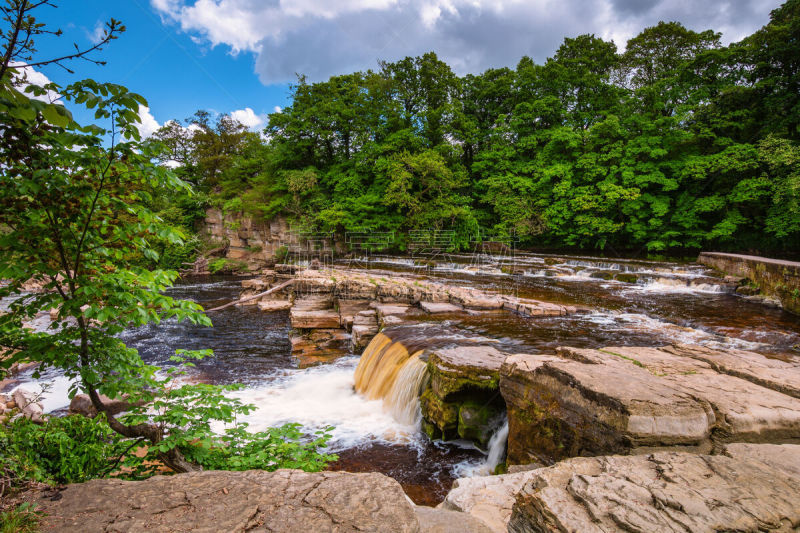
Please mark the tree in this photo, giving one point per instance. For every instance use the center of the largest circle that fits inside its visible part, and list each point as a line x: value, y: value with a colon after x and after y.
x: 74, y: 218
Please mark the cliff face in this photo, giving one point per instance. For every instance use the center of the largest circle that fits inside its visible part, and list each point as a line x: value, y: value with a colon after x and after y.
x: 255, y: 243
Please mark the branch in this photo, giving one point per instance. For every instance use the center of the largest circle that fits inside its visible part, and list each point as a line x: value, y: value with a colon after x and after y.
x: 250, y: 298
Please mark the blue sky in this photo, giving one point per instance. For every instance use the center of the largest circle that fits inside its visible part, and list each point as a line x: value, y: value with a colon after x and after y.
x: 226, y: 56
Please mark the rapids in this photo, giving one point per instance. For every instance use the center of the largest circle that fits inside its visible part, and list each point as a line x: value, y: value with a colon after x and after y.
x: 372, y: 401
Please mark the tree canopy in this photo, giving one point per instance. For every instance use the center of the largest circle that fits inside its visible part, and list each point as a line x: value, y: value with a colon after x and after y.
x: 677, y: 143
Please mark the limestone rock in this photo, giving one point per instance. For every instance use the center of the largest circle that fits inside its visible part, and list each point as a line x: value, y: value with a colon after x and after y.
x: 784, y: 457
x: 563, y: 408
x: 435, y: 520
x: 776, y: 374
x: 319, y: 346
x: 744, y: 410
x: 665, y: 492
x: 324, y: 319
x: 281, y: 501
x: 487, y: 498
x: 274, y: 305
x: 365, y: 327
x: 348, y: 309
x: 439, y: 307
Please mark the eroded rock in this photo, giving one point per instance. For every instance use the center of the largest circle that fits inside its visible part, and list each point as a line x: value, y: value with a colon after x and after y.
x: 665, y: 492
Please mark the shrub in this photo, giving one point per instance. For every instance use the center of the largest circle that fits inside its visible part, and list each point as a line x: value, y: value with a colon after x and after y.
x: 71, y: 449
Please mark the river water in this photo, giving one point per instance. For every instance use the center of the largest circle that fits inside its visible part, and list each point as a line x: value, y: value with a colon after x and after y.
x: 657, y: 303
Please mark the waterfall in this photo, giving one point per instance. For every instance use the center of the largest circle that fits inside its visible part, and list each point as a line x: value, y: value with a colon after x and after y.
x: 497, y: 447
x: 389, y: 372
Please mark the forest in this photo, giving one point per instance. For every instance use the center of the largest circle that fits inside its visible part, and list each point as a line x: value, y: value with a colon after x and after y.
x: 675, y: 144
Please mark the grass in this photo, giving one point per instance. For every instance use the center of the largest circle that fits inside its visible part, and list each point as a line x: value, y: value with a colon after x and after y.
x: 22, y: 519
x: 631, y: 359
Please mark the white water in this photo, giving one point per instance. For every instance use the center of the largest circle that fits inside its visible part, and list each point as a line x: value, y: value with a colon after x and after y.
x: 321, y: 396
x: 495, y: 455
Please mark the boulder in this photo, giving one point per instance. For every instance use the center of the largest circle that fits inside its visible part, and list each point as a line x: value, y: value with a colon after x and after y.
x: 665, y: 491
x: 27, y: 404
x: 280, y: 501
x: 82, y: 405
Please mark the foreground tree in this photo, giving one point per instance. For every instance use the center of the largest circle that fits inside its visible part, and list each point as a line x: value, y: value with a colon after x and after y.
x: 73, y: 219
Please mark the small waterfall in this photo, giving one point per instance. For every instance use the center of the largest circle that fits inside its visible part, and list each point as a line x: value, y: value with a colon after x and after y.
x: 494, y: 456
x: 497, y: 447
x: 389, y: 372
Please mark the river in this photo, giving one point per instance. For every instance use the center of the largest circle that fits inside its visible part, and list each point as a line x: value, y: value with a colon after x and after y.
x: 648, y: 304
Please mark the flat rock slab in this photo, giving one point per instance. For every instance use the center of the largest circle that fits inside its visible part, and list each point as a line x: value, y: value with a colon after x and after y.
x: 436, y: 520
x: 326, y: 319
x: 563, y: 408
x: 274, y: 305
x: 784, y: 457
x: 439, y: 307
x: 281, y: 501
x: 744, y: 410
x: 664, y: 492
x: 776, y: 374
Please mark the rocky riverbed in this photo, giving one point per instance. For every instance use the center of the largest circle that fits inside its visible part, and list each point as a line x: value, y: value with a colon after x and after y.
x: 615, y: 394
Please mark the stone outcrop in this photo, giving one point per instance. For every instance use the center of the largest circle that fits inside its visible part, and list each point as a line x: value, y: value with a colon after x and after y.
x: 634, y: 399
x: 281, y: 501
x: 462, y: 398
x: 773, y: 278
x: 666, y: 491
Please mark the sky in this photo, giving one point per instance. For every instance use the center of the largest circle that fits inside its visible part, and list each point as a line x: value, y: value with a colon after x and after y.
x: 238, y: 57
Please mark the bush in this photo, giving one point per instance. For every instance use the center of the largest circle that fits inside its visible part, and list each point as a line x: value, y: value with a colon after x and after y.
x: 71, y: 449
x: 223, y: 265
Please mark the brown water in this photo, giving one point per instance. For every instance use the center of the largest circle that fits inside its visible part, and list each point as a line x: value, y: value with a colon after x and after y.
x: 668, y: 303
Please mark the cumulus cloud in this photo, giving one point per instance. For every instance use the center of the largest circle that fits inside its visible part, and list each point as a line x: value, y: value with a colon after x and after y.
x: 149, y: 124
x: 320, y: 38
x: 29, y: 76
x: 248, y: 118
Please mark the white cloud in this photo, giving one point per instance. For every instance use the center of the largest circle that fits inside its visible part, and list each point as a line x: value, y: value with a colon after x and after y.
x: 96, y: 35
x: 149, y: 124
x: 248, y: 118
x: 277, y: 109
x: 320, y: 38
x: 30, y: 76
